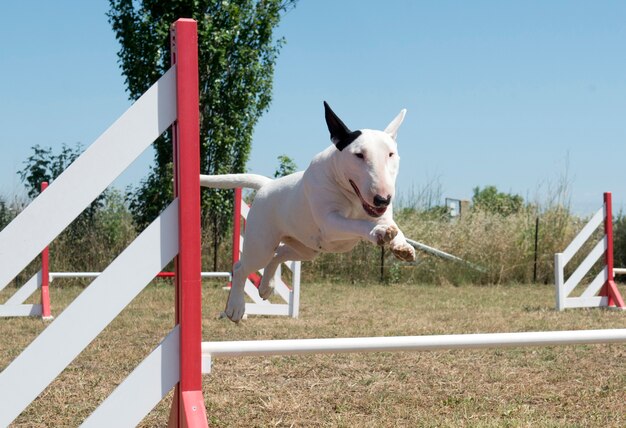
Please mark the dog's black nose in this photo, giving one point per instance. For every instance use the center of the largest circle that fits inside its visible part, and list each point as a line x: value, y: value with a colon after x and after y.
x: 379, y: 201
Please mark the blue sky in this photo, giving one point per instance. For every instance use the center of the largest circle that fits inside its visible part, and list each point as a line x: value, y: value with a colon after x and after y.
x: 512, y: 94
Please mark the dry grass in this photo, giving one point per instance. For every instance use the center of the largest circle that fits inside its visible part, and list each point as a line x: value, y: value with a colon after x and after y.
x: 504, y: 246
x: 553, y: 386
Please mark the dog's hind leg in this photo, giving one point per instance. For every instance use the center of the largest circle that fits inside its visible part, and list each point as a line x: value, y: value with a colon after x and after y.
x: 292, y: 251
x: 256, y: 254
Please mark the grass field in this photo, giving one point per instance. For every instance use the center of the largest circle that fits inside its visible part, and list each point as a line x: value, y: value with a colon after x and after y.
x: 546, y: 387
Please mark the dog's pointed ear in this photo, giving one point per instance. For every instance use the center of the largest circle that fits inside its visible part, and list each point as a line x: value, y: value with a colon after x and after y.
x: 392, y: 128
x: 340, y: 134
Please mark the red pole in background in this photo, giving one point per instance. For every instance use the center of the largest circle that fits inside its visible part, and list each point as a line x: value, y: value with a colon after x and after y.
x: 610, y: 288
x: 45, y: 276
x: 188, y: 409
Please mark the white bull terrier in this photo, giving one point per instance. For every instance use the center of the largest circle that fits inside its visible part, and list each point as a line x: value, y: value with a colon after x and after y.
x: 344, y: 196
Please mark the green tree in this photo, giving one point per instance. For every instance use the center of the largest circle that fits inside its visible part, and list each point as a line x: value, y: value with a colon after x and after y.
x: 489, y: 199
x: 237, y: 53
x: 6, y: 213
x: 286, y: 166
x: 45, y: 165
x: 81, y: 235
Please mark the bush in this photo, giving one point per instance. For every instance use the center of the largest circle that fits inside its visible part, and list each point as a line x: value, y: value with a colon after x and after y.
x: 490, y: 200
x: 619, y: 241
x: 95, y: 238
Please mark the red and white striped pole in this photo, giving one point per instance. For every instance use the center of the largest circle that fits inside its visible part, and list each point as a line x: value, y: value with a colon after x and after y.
x: 188, y: 409
x: 45, y: 275
x: 610, y: 288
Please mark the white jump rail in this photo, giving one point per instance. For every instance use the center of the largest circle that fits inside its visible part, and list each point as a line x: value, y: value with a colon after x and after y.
x: 255, y: 348
x: 602, y: 290
x: 15, y: 306
x: 54, y: 275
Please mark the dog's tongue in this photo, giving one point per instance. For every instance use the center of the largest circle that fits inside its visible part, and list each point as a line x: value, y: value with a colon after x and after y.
x: 380, y: 211
x: 373, y: 211
x: 369, y: 209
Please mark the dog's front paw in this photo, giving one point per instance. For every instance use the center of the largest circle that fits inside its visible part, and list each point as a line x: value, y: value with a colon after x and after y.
x: 235, y: 306
x: 403, y: 251
x: 384, y: 233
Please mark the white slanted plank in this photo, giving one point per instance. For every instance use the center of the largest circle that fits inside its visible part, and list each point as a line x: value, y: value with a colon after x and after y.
x: 25, y: 290
x: 143, y: 389
x: 584, y: 267
x: 87, y: 177
x: 253, y: 293
x: 46, y: 357
x: 597, y: 283
x: 583, y: 235
x: 281, y: 289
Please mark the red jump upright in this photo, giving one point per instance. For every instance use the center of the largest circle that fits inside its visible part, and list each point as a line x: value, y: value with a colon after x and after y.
x: 610, y: 289
x: 188, y: 409
x: 45, y: 276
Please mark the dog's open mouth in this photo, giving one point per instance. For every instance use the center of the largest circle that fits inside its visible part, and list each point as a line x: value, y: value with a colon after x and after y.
x: 371, y: 210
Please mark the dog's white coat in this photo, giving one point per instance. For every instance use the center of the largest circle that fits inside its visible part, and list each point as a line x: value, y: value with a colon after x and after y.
x: 297, y: 216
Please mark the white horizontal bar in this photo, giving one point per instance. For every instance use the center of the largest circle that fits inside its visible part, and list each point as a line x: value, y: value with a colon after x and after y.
x: 619, y: 271
x: 583, y: 235
x: 215, y: 274
x: 54, y: 275
x: 587, y: 302
x: 597, y: 283
x: 95, y: 274
x: 20, y: 310
x: 267, y: 309
x: 409, y: 343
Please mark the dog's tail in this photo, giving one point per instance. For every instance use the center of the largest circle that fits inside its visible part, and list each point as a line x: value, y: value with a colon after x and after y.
x: 231, y: 181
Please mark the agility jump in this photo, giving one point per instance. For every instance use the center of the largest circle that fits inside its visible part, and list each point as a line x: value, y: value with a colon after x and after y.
x: 177, y: 362
x: 602, y: 290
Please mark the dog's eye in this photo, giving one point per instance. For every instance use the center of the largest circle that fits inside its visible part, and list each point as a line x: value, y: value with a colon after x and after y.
x: 391, y: 154
x: 359, y: 155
